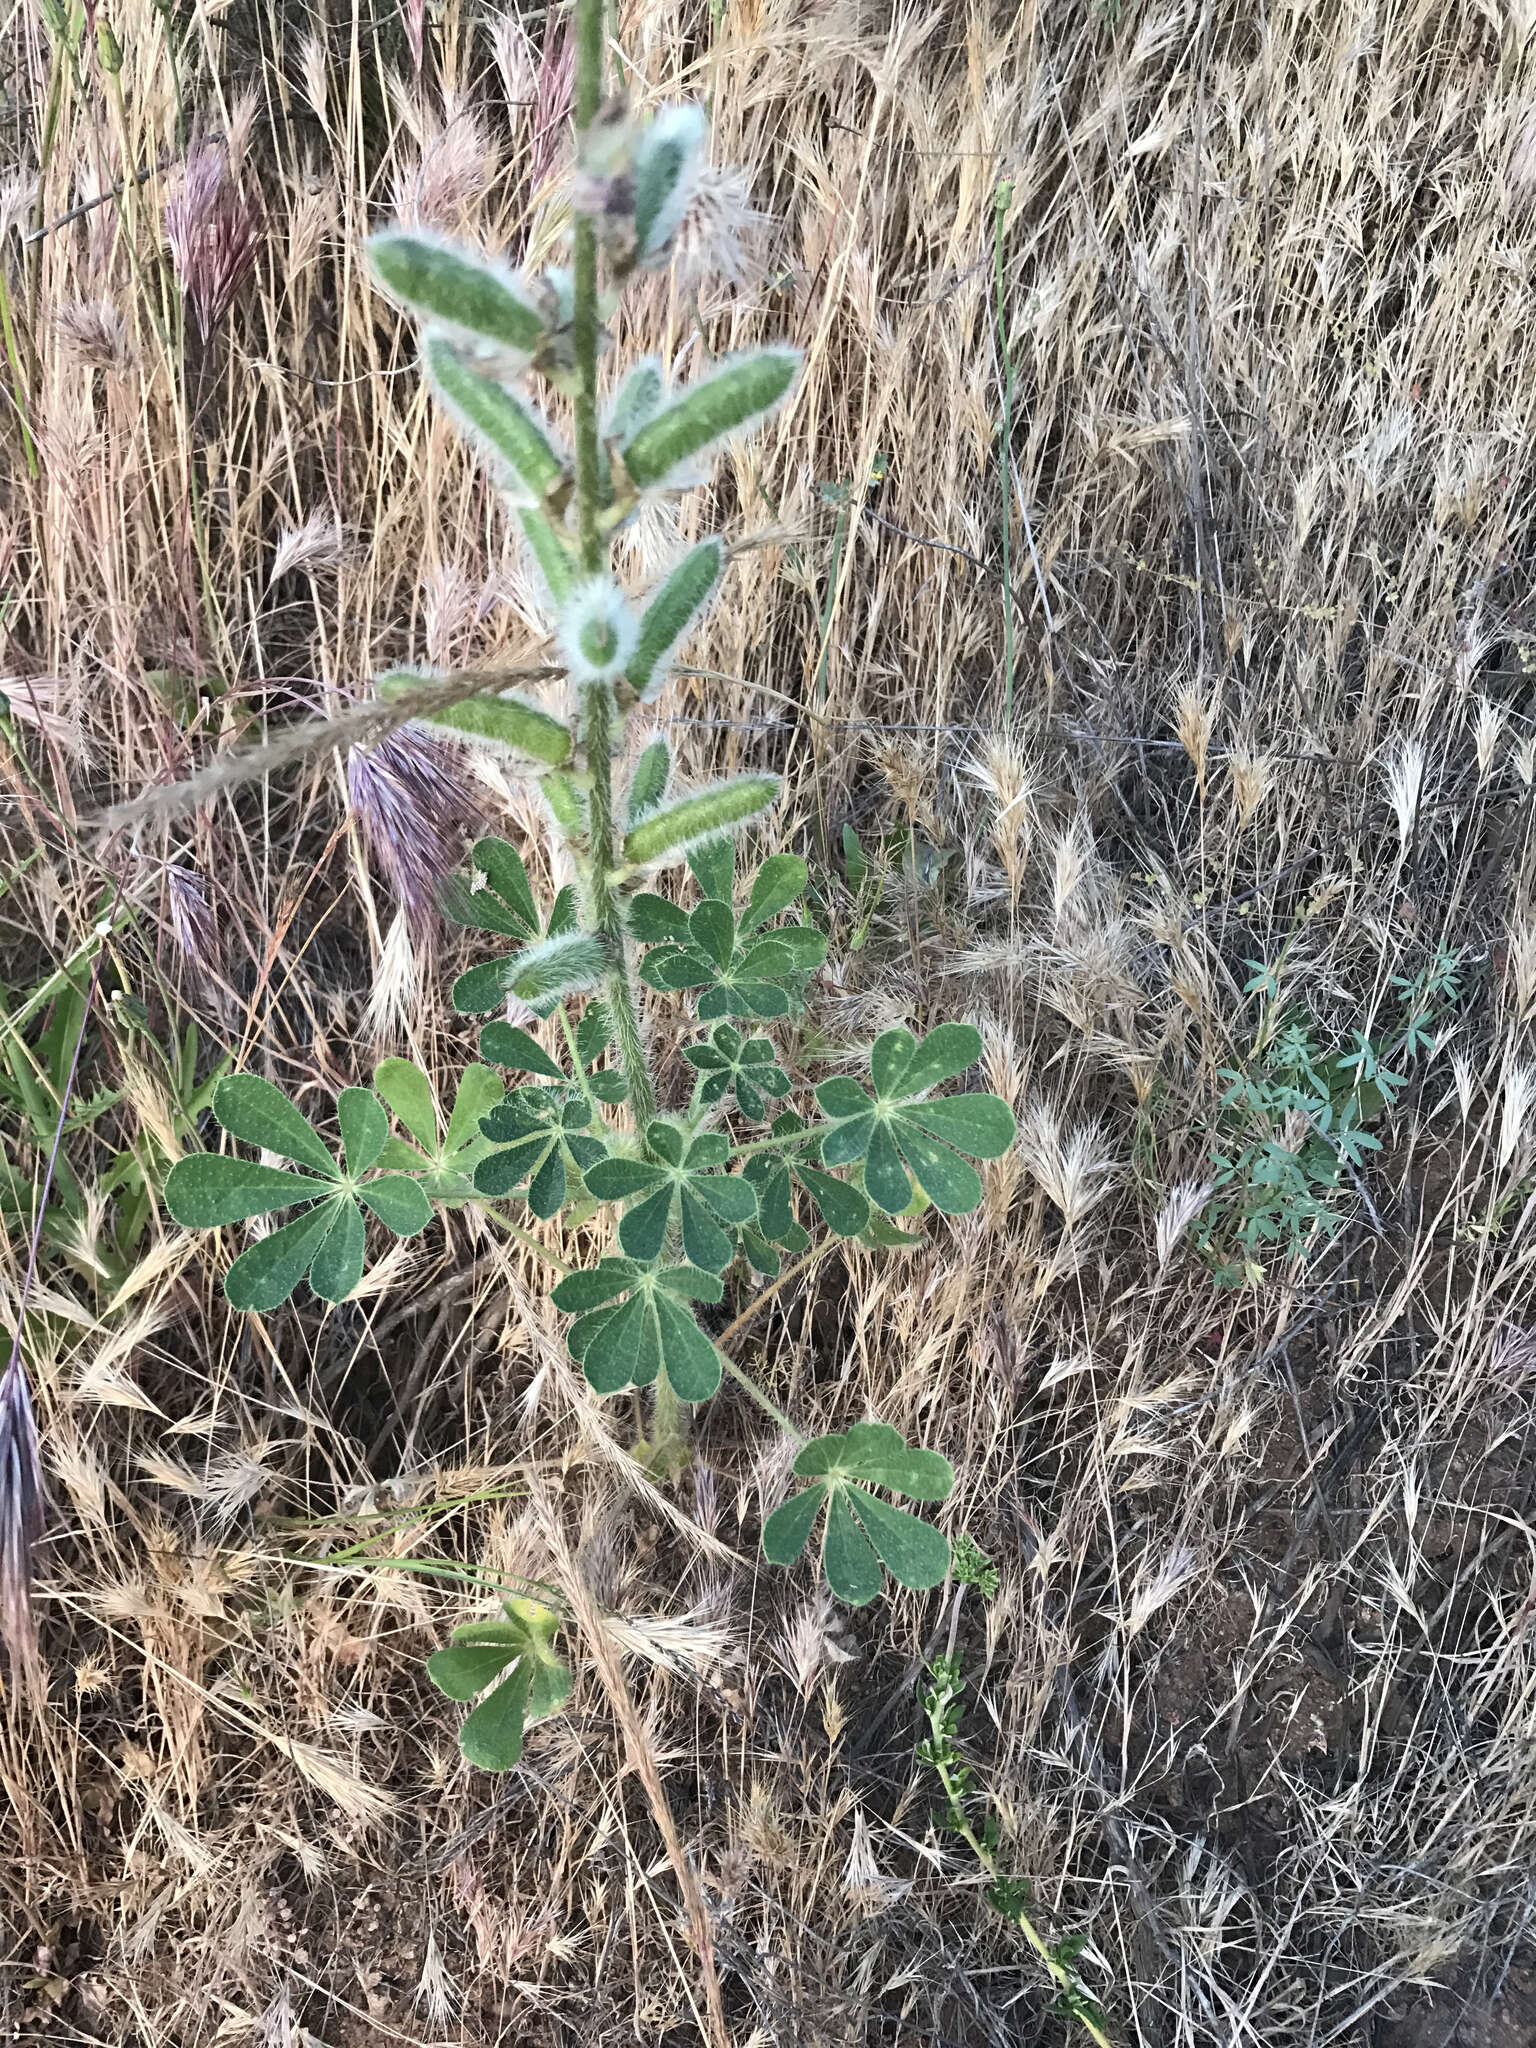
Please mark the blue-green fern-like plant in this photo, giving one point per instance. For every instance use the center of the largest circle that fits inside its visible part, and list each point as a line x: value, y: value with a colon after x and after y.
x: 741, y: 1174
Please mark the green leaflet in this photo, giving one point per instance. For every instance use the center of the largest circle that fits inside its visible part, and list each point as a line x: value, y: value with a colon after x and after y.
x: 455, y: 285
x: 741, y: 392
x: 523, y: 444
x: 253, y: 1110
x: 502, y: 720
x: 672, y: 610
x: 667, y: 833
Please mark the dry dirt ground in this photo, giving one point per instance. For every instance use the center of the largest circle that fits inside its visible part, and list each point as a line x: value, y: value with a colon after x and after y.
x: 1222, y: 655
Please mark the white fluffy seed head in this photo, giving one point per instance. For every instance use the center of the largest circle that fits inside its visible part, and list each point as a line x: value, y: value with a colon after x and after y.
x: 598, y: 631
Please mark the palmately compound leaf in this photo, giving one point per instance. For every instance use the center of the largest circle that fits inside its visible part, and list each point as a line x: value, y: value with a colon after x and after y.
x: 747, y: 1066
x: 862, y: 1531
x: 328, y: 1240
x: 449, y: 1158
x: 515, y: 1656
x: 544, y: 1139
x: 899, y: 1132
x: 462, y: 289
x: 521, y: 445
x: 631, y: 1324
x: 672, y: 610
x: 679, y: 1187
x: 740, y: 393
x: 743, y: 971
x: 668, y: 832
x: 502, y: 721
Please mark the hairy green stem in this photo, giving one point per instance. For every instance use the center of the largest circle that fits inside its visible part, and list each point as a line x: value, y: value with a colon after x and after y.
x: 598, y: 707
x: 589, y: 93
x: 607, y: 910
x: 578, y: 1067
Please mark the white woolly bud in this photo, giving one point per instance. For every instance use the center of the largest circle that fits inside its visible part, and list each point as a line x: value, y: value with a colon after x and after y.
x: 598, y: 631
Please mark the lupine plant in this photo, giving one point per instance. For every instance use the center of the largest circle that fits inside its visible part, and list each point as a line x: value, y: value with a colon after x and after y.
x: 737, y: 1175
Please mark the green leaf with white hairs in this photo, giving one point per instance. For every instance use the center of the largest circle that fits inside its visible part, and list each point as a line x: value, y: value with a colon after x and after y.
x: 679, y: 1188
x: 555, y: 968
x: 252, y: 1109
x: 898, y: 1133
x: 207, y: 1190
x: 631, y: 1324
x: 401, y: 1205
x: 672, y: 611
x: 669, y: 831
x: 264, y: 1276
x: 551, y: 557
x: 777, y: 883
x: 461, y: 288
x: 450, y: 1156
x: 338, y: 1264
x: 364, y: 1128
x: 742, y: 392
x: 522, y: 444
x: 637, y: 400
x: 665, y: 157
x: 712, y: 863
x: 406, y: 1091
x: 504, y: 722
x: 648, y: 782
